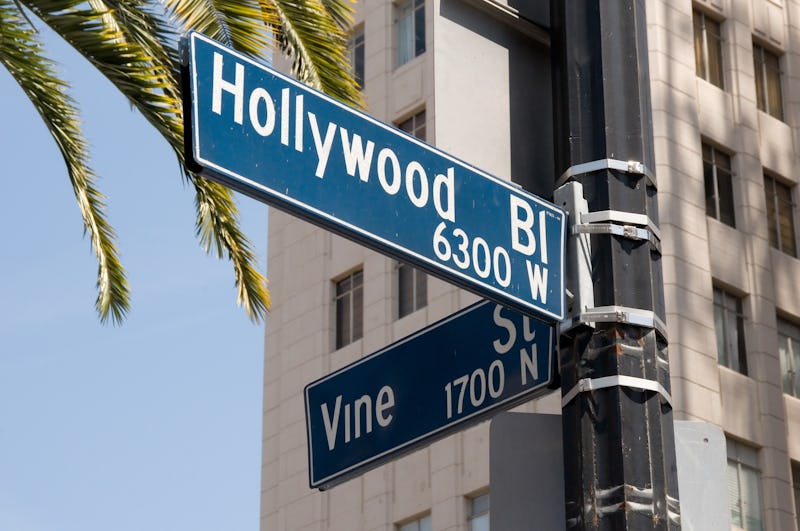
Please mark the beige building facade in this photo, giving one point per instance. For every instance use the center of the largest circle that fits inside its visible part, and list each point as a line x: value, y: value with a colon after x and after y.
x: 472, y: 77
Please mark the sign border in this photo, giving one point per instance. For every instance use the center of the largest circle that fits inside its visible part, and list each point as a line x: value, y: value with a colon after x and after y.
x: 258, y: 191
x: 444, y: 430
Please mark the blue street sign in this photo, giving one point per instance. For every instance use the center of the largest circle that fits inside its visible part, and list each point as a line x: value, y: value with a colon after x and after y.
x: 442, y: 378
x: 268, y: 136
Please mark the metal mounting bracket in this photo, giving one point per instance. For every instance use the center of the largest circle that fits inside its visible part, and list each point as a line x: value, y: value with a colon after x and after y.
x: 616, y: 314
x: 628, y: 166
x: 634, y: 226
x: 585, y: 385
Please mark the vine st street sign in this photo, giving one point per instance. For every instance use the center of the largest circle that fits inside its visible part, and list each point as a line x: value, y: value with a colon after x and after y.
x: 270, y: 137
x: 441, y: 379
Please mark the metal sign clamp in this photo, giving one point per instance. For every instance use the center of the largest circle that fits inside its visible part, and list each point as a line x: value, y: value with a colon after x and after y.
x: 630, y: 225
x: 634, y: 167
x: 585, y: 385
x: 616, y: 314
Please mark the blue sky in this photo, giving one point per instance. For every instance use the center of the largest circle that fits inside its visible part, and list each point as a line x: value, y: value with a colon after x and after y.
x: 155, y: 424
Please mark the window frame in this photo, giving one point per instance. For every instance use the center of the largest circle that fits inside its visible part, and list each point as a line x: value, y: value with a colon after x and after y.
x: 482, y: 513
x: 722, y: 300
x: 415, y: 124
x: 416, y: 284
x: 356, y: 48
x: 790, y: 356
x: 764, y: 82
x: 711, y: 155
x: 774, y: 203
x: 700, y: 20
x: 743, y: 458
x: 411, y: 45
x: 423, y: 523
x: 348, y: 292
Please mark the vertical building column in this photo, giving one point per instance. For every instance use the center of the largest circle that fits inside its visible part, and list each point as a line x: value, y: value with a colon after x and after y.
x: 619, y: 448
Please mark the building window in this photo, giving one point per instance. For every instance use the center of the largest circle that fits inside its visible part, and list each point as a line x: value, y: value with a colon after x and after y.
x: 707, y: 48
x: 479, y: 513
x: 719, y: 185
x: 789, y: 351
x: 767, y: 69
x: 780, y: 215
x: 355, y: 47
x: 420, y: 524
x: 796, y: 489
x: 412, y: 289
x: 415, y: 125
x: 729, y: 327
x: 744, y: 490
x: 410, y: 30
x: 349, y: 308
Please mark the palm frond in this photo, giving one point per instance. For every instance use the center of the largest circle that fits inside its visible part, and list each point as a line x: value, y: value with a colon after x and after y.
x: 21, y: 54
x: 312, y: 34
x: 341, y: 11
x: 240, y: 24
x: 115, y: 41
x: 215, y: 210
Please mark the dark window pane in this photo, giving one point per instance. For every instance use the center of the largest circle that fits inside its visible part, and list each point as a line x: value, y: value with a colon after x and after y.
x: 729, y: 329
x: 699, y: 53
x: 718, y: 182
x: 707, y: 48
x: 758, y: 70
x: 725, y: 191
x: 419, y: 29
x: 772, y: 223
x: 780, y: 215
x: 358, y: 313
x: 711, y: 196
x: 422, y: 289
x: 767, y: 71
x: 406, y: 290
x: 342, y: 321
x: 773, y: 75
x: 349, y: 309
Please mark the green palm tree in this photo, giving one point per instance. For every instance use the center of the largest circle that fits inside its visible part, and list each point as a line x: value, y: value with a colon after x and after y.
x: 134, y: 43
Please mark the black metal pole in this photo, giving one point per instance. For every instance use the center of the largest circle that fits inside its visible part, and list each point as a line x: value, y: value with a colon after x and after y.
x: 619, y: 448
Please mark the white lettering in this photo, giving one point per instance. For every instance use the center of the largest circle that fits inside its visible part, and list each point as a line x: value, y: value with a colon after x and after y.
x: 285, y: 109
x: 268, y: 126
x: 365, y: 401
x: 298, y: 123
x: 415, y: 168
x: 528, y: 364
x: 508, y: 324
x: 394, y: 187
x: 236, y: 88
x: 542, y: 237
x: 448, y: 182
x: 331, y: 425
x: 323, y: 146
x: 347, y: 423
x: 538, y: 281
x: 356, y: 156
x: 528, y: 334
x: 523, y: 225
x: 385, y: 401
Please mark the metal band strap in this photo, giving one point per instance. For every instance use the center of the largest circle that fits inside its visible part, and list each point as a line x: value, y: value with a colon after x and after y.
x: 626, y: 218
x: 592, y: 384
x: 632, y: 226
x: 628, y: 166
x: 617, y: 314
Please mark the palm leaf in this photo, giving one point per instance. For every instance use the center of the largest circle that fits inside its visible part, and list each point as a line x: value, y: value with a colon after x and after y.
x: 21, y: 54
x: 311, y: 33
x: 240, y: 24
x: 116, y: 42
